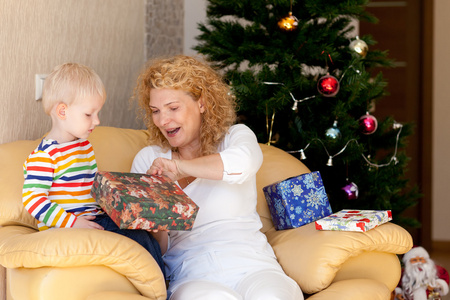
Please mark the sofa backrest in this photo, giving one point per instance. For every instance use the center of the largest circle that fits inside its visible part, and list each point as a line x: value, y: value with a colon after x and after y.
x: 115, y: 149
x: 277, y: 165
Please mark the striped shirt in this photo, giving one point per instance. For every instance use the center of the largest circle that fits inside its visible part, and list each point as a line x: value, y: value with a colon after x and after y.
x: 58, y: 181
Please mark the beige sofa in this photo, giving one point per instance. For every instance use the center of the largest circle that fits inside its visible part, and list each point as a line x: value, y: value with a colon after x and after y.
x: 91, y: 264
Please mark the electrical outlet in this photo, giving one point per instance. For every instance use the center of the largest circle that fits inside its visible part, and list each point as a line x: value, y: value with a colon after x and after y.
x: 39, y: 81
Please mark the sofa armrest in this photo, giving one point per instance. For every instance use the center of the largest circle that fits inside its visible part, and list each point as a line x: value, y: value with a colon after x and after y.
x: 2, y: 283
x: 354, y: 289
x: 114, y: 295
x: 22, y: 247
x: 312, y: 257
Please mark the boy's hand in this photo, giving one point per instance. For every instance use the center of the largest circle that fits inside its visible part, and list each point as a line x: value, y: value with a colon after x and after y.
x: 86, y: 222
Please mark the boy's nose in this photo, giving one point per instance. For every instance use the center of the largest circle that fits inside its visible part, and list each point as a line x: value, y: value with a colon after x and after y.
x: 96, y: 121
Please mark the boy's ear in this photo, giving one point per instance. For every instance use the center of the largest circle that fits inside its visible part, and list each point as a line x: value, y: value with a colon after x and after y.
x: 61, y: 111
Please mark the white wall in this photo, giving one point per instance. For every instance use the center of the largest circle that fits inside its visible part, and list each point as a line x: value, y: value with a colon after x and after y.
x: 195, y: 13
x: 37, y: 35
x: 441, y: 123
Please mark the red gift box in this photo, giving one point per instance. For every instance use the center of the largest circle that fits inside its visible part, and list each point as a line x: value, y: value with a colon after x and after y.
x: 141, y: 201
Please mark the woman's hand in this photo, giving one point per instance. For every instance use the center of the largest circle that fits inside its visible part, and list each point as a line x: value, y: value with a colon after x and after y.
x: 167, y: 167
x: 207, y: 167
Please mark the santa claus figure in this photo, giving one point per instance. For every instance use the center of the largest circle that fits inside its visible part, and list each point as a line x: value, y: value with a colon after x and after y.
x: 421, y: 278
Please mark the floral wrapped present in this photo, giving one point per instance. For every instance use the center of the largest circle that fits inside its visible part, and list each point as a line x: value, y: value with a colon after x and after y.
x: 354, y: 220
x: 140, y: 201
x: 297, y: 201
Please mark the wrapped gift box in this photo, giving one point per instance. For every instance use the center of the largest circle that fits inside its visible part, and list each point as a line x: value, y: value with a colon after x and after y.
x: 354, y: 220
x: 297, y: 201
x: 140, y: 201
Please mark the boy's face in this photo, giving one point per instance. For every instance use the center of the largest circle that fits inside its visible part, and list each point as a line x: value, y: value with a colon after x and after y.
x: 82, y: 116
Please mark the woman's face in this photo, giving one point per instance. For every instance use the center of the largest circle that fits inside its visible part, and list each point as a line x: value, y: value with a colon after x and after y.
x: 178, y: 116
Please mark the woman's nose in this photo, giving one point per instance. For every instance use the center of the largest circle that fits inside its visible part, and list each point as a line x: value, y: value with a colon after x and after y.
x: 164, y: 118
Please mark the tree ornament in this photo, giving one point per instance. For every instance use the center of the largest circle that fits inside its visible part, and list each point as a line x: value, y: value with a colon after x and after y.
x: 351, y: 190
x: 368, y: 124
x: 288, y: 23
x: 328, y: 85
x: 359, y: 46
x: 333, y: 132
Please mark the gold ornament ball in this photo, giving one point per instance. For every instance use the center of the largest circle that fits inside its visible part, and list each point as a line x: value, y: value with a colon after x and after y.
x: 359, y: 46
x: 288, y: 23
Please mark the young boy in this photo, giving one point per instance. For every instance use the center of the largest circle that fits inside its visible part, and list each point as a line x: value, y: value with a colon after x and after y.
x: 59, y: 173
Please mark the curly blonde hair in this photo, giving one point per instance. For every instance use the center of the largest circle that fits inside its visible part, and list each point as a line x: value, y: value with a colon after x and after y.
x: 198, y: 79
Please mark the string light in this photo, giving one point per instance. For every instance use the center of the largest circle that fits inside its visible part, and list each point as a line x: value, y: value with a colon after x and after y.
x: 302, y: 155
x: 393, y: 159
x: 294, y: 106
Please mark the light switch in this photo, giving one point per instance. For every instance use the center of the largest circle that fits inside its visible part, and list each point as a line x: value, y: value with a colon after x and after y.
x: 39, y: 81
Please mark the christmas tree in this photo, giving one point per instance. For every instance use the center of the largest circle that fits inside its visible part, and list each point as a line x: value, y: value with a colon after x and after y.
x: 304, y: 83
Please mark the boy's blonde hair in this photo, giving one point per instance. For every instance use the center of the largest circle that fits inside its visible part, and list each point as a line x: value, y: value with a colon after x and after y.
x: 70, y: 82
x: 197, y: 79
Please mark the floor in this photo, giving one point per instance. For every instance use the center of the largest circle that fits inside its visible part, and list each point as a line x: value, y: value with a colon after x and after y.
x: 442, y: 258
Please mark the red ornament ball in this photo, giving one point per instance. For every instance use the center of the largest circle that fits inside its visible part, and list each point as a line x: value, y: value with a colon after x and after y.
x: 328, y: 86
x: 351, y: 190
x: 368, y: 124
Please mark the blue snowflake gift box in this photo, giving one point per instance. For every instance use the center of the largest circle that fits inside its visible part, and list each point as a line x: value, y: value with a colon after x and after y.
x: 297, y: 201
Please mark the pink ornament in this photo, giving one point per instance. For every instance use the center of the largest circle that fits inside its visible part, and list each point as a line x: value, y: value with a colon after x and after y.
x: 351, y: 190
x: 328, y: 86
x: 368, y: 124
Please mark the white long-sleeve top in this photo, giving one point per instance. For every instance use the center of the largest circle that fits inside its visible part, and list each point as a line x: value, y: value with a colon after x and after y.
x: 227, y: 219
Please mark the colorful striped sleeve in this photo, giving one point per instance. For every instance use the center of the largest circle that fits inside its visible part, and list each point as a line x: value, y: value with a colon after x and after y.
x: 38, y: 173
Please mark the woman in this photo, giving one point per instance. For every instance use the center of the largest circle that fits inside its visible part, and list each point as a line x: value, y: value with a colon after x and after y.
x: 190, y: 113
